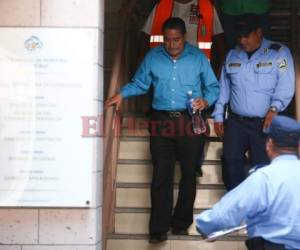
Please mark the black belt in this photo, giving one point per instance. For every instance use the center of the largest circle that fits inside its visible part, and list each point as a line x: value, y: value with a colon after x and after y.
x: 245, y: 118
x: 172, y: 114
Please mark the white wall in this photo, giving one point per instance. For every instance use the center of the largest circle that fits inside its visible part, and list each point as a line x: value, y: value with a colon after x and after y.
x: 57, y: 229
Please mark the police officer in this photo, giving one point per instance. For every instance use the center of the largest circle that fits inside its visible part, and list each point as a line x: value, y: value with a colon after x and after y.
x: 268, y: 200
x: 257, y: 82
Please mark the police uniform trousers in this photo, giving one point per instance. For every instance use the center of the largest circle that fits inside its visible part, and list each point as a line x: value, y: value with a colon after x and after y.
x: 242, y: 134
x: 260, y: 243
x: 171, y: 139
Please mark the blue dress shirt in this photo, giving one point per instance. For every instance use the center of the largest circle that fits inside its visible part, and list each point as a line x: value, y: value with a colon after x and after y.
x: 268, y: 201
x: 172, y: 79
x: 252, y: 85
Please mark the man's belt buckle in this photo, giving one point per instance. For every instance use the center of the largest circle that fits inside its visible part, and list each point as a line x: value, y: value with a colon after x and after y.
x: 174, y: 115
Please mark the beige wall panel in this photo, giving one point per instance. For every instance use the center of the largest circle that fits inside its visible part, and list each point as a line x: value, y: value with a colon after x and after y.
x: 58, y: 248
x: 10, y: 247
x: 20, y: 13
x: 69, y: 226
x: 66, y: 13
x: 18, y: 226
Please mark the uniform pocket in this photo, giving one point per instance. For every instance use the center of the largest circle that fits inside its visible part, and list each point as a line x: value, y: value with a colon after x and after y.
x: 263, y: 68
x: 265, y: 75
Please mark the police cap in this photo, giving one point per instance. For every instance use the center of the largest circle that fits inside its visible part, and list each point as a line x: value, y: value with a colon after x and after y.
x: 245, y: 24
x: 284, y: 131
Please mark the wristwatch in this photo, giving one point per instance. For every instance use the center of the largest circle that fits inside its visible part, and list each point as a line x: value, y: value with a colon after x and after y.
x: 273, y: 109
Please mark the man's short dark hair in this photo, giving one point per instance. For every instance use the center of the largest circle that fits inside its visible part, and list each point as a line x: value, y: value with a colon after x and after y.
x: 174, y: 23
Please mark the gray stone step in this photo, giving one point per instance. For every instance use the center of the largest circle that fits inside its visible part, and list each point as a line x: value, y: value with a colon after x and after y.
x: 138, y: 196
x: 135, y: 221
x: 142, y: 172
x: 138, y: 148
x: 140, y: 242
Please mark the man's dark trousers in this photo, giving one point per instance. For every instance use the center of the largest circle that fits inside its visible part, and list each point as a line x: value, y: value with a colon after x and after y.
x: 242, y: 134
x: 172, y: 138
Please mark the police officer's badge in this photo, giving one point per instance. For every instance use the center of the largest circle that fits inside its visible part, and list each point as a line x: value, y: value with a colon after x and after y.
x: 282, y: 65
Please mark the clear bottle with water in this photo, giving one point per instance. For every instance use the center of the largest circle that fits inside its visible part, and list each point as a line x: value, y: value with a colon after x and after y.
x: 199, y: 126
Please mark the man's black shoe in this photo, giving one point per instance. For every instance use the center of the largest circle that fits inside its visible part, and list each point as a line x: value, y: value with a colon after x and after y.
x: 157, y: 238
x: 199, y: 172
x: 179, y: 231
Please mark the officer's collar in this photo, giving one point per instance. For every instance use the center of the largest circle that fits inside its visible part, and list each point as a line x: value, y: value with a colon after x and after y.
x: 285, y: 157
x: 261, y: 50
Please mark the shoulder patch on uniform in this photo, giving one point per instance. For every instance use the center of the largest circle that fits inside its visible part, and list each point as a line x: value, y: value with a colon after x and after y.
x: 282, y: 64
x: 275, y: 46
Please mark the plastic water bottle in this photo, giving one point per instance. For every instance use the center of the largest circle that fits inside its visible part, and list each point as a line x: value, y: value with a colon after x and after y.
x: 198, y: 122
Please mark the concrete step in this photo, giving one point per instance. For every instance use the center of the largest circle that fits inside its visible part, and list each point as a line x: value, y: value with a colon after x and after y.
x: 135, y: 221
x: 140, y: 242
x: 141, y: 172
x: 138, y: 148
x: 138, y: 195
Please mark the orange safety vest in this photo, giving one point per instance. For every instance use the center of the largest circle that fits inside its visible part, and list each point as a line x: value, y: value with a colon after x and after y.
x: 205, y: 27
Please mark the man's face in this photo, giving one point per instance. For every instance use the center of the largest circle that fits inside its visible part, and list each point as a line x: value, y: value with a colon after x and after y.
x: 251, y: 41
x: 174, y: 42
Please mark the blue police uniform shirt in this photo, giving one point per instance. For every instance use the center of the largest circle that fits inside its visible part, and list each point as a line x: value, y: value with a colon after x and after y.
x: 268, y: 201
x: 172, y: 79
x: 252, y: 85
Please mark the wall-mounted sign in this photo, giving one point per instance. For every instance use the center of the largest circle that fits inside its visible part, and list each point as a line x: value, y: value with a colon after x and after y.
x: 48, y: 81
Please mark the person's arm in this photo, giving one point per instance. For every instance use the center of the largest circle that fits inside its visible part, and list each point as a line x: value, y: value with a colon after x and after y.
x: 139, y: 85
x: 141, y: 81
x: 223, y: 99
x: 246, y: 201
x: 285, y: 87
x: 114, y: 100
x: 224, y: 96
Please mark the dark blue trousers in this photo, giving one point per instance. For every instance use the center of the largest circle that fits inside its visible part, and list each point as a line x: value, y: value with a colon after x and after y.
x: 242, y: 135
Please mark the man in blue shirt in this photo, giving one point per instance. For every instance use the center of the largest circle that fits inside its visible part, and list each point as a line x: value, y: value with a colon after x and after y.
x: 174, y: 69
x: 268, y: 200
x: 257, y: 82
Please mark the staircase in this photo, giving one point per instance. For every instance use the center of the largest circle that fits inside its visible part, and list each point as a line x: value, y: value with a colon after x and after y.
x: 133, y: 194
x: 134, y: 170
